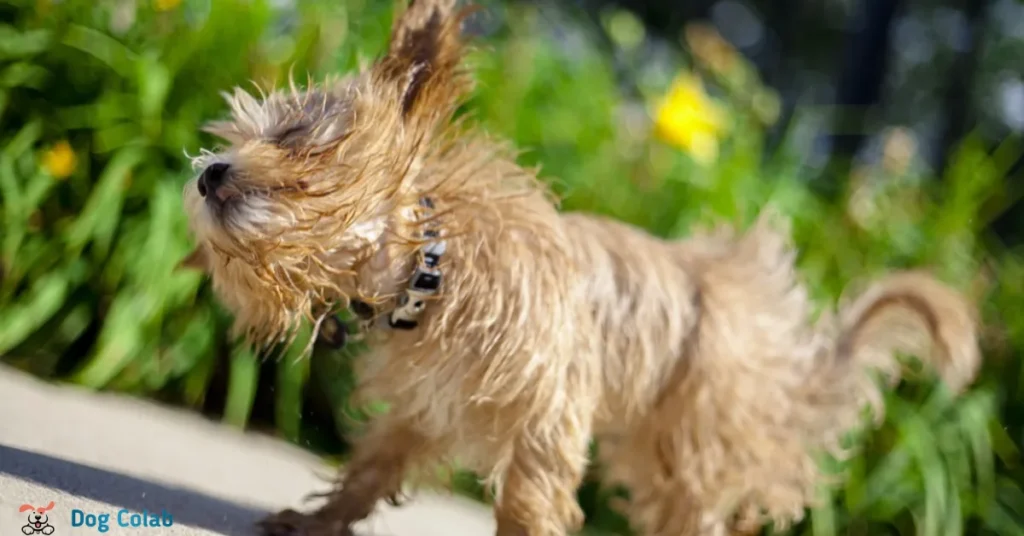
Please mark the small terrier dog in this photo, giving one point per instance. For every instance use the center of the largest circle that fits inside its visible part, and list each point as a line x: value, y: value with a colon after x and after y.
x: 505, y: 336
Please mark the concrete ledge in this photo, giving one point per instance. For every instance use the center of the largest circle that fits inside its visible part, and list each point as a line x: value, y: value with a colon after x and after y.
x: 101, y: 453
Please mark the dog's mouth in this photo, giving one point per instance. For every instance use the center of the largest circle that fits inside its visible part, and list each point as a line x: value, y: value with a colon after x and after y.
x: 217, y: 196
x: 221, y: 198
x: 218, y: 200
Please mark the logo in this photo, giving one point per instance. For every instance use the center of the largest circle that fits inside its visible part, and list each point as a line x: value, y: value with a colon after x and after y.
x: 38, y: 521
x: 123, y: 518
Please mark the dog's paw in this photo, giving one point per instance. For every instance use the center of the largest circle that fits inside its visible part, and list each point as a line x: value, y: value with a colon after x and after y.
x: 48, y: 530
x: 285, y: 523
x: 27, y: 530
x: 292, y: 523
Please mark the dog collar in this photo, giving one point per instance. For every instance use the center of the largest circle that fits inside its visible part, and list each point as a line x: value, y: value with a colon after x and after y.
x: 424, y: 284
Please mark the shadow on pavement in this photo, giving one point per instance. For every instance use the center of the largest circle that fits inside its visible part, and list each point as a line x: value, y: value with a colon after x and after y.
x: 188, y: 507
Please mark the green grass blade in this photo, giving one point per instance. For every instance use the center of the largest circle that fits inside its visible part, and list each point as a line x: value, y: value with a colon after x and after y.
x: 243, y: 375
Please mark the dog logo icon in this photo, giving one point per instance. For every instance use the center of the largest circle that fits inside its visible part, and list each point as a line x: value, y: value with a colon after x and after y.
x: 38, y: 521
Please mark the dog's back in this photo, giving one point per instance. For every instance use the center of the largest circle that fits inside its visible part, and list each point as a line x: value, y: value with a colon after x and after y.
x: 643, y: 302
x: 723, y: 388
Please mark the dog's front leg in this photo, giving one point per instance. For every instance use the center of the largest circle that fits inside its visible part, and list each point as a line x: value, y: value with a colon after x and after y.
x: 538, y: 497
x: 375, y: 472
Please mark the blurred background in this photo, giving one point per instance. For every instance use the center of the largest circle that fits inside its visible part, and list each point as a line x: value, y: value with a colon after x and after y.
x: 889, y: 130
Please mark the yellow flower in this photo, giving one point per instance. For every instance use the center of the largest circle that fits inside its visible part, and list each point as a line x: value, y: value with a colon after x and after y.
x: 60, y: 160
x: 165, y: 5
x: 689, y: 119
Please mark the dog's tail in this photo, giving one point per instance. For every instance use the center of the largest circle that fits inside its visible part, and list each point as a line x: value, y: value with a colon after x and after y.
x: 911, y: 313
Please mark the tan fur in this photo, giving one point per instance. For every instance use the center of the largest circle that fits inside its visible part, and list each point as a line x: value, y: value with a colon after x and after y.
x: 697, y: 363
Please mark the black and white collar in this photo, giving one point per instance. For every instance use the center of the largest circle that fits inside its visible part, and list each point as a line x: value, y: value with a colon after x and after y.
x: 424, y: 284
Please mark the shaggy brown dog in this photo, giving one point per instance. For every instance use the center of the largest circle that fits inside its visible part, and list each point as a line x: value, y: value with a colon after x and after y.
x: 698, y: 360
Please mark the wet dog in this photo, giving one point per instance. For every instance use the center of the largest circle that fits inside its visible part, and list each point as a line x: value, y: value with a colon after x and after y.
x: 505, y: 336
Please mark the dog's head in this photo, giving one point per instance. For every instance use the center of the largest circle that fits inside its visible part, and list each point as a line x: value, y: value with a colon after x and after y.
x: 309, y: 178
x: 37, y: 516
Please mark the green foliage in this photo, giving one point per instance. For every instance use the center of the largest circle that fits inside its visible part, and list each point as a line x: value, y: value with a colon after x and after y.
x: 89, y: 294
x: 88, y: 258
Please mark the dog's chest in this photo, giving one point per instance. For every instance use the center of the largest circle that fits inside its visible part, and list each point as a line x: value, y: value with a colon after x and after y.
x: 415, y: 380
x: 438, y: 393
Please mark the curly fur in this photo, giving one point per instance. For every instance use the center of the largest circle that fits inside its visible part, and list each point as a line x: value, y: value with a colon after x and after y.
x: 696, y: 363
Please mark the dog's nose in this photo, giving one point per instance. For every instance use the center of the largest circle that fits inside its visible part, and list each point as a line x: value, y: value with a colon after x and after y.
x: 212, y: 177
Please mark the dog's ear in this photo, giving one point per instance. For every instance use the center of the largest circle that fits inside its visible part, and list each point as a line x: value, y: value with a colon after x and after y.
x: 26, y: 507
x: 47, y: 507
x: 197, y: 260
x: 423, y: 58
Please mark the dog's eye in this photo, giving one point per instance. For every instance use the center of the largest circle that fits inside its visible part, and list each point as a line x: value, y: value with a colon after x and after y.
x: 290, y: 137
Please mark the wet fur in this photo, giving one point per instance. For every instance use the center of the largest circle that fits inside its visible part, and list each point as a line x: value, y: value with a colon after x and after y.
x: 696, y: 363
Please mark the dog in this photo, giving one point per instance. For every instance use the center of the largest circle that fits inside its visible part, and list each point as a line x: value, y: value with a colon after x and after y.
x: 505, y: 336
x: 38, y: 521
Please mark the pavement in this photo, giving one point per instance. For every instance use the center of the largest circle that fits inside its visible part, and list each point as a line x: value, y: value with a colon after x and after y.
x: 99, y: 454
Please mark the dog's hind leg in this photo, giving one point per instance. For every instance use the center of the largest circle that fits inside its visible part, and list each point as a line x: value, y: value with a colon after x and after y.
x: 376, y: 471
x: 659, y: 503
